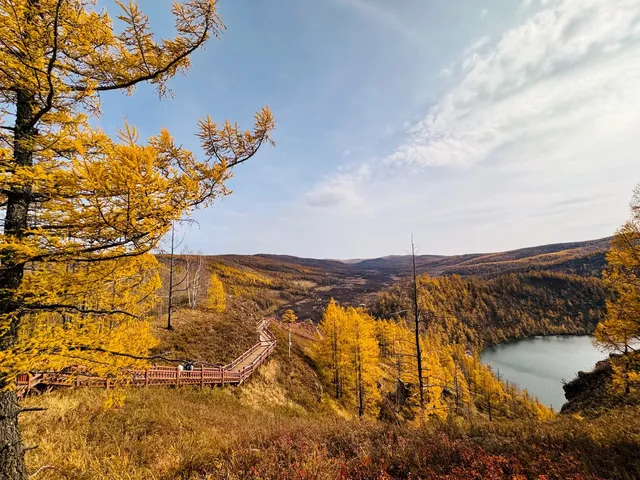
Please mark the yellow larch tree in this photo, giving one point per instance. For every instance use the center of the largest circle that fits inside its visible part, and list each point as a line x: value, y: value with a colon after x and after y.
x: 80, y: 210
x: 364, y: 361
x: 216, y: 300
x: 349, y: 355
x: 331, y: 350
x: 289, y: 317
x: 620, y: 330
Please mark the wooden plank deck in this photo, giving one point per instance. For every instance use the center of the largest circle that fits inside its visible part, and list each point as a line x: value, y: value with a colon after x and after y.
x: 234, y: 373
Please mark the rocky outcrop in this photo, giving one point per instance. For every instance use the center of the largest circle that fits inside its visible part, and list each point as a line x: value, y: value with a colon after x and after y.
x: 591, y: 393
x: 588, y: 389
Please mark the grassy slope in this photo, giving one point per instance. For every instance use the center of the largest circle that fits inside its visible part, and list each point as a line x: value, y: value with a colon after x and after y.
x: 276, y: 428
x: 206, y: 336
x: 281, y: 425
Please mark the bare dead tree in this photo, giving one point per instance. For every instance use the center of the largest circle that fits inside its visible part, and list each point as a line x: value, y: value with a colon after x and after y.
x: 175, y: 285
x: 416, y: 316
x: 194, y: 266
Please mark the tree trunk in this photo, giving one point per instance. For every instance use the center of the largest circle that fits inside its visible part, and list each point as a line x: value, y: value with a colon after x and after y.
x: 360, y: 391
x: 416, y: 314
x: 11, y: 451
x: 171, y: 259
x: 11, y: 272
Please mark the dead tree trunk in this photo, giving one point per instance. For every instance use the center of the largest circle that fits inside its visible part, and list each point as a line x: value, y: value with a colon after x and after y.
x: 416, y: 316
x: 171, y: 268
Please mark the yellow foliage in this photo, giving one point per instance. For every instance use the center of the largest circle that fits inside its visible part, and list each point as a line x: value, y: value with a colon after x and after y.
x: 289, y: 317
x: 358, y: 353
x: 114, y: 399
x: 81, y: 209
x: 349, y: 354
x: 84, y: 313
x: 241, y: 276
x: 216, y: 300
x: 620, y: 330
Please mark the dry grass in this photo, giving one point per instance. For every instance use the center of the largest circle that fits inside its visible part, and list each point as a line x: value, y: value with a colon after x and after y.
x: 208, y: 336
x: 233, y: 434
x: 280, y: 426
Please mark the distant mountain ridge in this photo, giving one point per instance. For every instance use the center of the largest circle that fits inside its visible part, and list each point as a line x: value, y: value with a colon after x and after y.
x: 582, y: 258
x: 307, y: 284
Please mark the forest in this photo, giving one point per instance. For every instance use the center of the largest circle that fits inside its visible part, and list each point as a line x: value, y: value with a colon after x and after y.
x: 478, y: 312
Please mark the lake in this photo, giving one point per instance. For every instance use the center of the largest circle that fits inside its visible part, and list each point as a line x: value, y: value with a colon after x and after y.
x: 540, y: 364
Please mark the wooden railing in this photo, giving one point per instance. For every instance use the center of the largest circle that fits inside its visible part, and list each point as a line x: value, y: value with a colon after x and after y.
x: 234, y: 373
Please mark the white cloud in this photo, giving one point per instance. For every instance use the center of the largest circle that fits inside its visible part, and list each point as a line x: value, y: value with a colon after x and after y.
x: 477, y: 45
x: 341, y: 190
x: 445, y: 72
x: 545, y: 118
x: 484, y: 13
x: 572, y: 63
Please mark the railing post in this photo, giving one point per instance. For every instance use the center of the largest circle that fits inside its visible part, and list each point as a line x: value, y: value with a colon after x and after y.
x: 222, y: 381
x: 107, y: 383
x: 146, y: 377
x: 201, y: 377
x: 177, y: 377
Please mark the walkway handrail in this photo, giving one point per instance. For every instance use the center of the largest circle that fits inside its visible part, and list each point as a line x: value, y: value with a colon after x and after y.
x: 232, y: 373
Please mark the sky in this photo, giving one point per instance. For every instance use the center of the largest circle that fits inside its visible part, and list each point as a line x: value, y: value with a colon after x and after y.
x: 475, y: 125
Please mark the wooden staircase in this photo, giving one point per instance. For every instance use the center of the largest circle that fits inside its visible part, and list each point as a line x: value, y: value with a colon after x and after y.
x: 234, y: 373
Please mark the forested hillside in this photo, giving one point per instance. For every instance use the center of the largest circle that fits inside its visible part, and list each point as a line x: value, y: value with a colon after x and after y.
x: 479, y: 312
x: 472, y: 310
x: 306, y: 285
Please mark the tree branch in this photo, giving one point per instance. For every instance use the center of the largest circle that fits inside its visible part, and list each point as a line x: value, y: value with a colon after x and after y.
x: 159, y: 72
x: 141, y: 357
x: 54, y: 55
x: 60, y: 306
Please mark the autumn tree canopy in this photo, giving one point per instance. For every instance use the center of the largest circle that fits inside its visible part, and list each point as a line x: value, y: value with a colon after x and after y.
x: 216, y: 300
x: 289, y: 316
x: 620, y: 330
x: 371, y: 364
x: 80, y: 208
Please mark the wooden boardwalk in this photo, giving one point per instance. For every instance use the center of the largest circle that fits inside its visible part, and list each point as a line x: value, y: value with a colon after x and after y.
x: 234, y: 373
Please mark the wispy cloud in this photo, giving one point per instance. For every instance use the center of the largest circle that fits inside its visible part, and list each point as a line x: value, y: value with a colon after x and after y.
x: 341, y: 190
x: 542, y: 119
x: 476, y: 45
x: 484, y: 13
x: 385, y: 17
x: 571, y: 63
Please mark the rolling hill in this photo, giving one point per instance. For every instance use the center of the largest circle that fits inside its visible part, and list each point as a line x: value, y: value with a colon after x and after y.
x: 306, y: 284
x: 585, y: 258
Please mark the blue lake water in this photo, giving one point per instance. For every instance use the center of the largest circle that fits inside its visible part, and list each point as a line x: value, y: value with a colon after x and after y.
x: 540, y: 364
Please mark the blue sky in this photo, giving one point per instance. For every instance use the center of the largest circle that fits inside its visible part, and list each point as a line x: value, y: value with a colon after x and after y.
x: 475, y: 125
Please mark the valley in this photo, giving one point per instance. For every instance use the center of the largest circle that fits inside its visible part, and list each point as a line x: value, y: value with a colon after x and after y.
x: 286, y: 416
x: 355, y: 282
